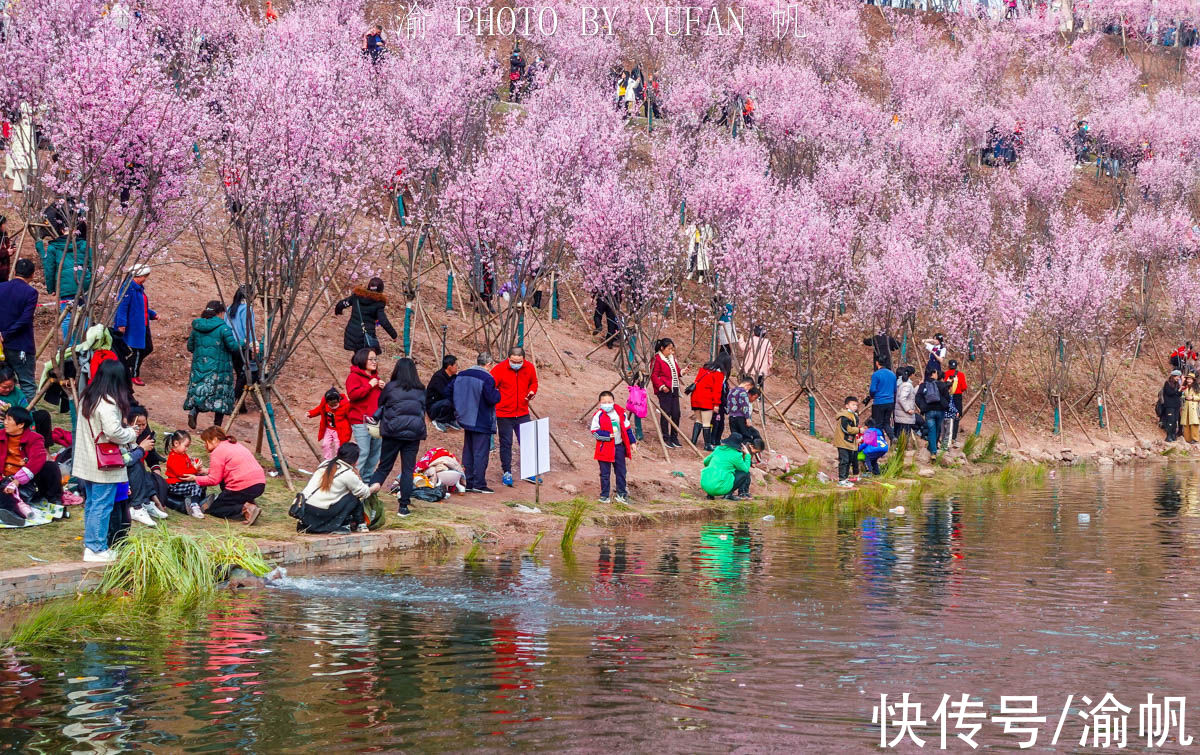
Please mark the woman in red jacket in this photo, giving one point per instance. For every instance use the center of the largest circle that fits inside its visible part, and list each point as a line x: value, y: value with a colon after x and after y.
x: 706, y: 398
x: 363, y: 387
x: 666, y: 377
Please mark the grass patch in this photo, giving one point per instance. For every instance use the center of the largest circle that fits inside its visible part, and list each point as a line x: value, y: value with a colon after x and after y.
x: 969, y: 445
x: 536, y: 540
x: 894, y: 467
x: 575, y: 518
x: 476, y: 554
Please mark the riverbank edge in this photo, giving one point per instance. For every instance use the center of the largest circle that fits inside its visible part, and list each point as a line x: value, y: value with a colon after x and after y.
x: 44, y: 582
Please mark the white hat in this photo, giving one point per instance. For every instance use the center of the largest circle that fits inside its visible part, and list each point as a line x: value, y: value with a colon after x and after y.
x: 138, y: 270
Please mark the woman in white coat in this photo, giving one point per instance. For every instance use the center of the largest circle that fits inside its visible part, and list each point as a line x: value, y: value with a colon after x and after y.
x: 102, y: 408
x: 333, y: 498
x: 21, y: 160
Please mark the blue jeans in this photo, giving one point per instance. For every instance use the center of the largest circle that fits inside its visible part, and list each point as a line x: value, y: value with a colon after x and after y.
x: 368, y: 450
x: 96, y: 512
x: 933, y: 425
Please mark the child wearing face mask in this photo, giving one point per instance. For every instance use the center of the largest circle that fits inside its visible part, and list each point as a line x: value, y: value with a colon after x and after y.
x: 614, y: 445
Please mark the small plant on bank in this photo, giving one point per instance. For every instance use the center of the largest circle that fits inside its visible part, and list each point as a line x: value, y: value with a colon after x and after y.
x: 969, y: 446
x: 894, y: 466
x: 574, y: 519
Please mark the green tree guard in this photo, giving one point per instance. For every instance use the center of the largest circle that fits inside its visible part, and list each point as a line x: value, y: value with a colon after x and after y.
x: 903, y: 348
x: 408, y: 314
x: 420, y: 243
x: 554, y: 300
x: 682, y: 212
x: 979, y: 421
x: 401, y: 210
x: 1100, y: 409
x: 632, y: 348
x: 449, y: 291
x: 521, y: 328
x: 274, y: 432
x: 812, y: 415
x: 971, y: 349
x: 1057, y: 419
x: 667, y: 306
x: 637, y: 428
x: 842, y: 304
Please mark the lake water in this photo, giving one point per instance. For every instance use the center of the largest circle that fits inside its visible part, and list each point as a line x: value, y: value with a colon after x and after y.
x: 728, y: 636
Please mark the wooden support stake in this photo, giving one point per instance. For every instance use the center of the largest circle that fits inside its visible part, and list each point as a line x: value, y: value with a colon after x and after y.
x: 237, y: 407
x: 788, y: 425
x: 556, y: 351
x: 561, y: 450
x: 1127, y: 422
x: 572, y: 293
x: 309, y: 441
x: 1004, y: 421
x: 1081, y: 427
x: 273, y: 437
x: 324, y: 361
x: 671, y: 422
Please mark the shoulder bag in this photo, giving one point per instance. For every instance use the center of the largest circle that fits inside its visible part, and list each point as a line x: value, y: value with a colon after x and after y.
x: 108, y: 455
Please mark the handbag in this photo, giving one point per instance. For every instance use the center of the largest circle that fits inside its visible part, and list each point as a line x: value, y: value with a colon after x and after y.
x: 297, y: 507
x: 108, y: 455
x: 369, y: 339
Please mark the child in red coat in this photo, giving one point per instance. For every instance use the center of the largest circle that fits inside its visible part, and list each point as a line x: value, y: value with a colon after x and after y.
x: 334, y: 412
x: 614, y: 444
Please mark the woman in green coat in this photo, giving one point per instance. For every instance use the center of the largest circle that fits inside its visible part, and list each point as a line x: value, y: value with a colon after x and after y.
x: 210, y: 386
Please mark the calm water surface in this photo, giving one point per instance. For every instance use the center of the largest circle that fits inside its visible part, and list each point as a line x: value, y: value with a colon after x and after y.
x: 738, y: 635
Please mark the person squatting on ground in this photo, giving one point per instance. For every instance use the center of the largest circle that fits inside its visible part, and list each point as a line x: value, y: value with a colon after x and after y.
x: 140, y: 457
x: 667, y: 378
x: 516, y: 379
x: 873, y: 444
x: 439, y: 396
x: 614, y: 445
x: 845, y: 440
x: 335, y: 430
x: 332, y: 501
x: 233, y: 467
x: 727, y: 470
x: 475, y: 399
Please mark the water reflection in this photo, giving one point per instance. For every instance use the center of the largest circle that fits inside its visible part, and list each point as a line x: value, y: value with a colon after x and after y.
x: 718, y: 636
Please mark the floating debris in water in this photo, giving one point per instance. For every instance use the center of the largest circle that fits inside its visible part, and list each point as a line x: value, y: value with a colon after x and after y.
x: 1085, y: 518
x: 898, y: 511
x: 769, y: 518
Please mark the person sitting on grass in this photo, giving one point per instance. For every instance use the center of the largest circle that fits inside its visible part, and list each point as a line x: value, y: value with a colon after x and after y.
x: 727, y: 470
x: 142, y: 489
x: 872, y: 445
x: 333, y: 498
x: 24, y: 462
x: 614, y: 445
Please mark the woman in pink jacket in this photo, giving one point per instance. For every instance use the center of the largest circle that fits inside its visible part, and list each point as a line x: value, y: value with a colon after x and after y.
x: 234, y: 468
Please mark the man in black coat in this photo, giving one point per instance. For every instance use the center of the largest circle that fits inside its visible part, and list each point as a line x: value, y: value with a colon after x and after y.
x: 439, y: 395
x: 883, y: 345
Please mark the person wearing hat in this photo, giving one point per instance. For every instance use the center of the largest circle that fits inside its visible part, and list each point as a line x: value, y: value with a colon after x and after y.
x: 1172, y: 403
x: 133, y: 321
x: 1189, y: 416
x: 727, y: 470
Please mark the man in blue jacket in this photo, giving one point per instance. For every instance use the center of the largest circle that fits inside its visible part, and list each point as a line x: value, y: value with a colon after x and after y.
x: 882, y: 397
x: 133, y: 321
x: 475, y: 399
x: 18, y: 300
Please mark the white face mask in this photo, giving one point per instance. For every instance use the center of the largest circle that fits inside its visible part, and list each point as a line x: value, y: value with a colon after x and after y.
x: 516, y: 365
x: 606, y: 408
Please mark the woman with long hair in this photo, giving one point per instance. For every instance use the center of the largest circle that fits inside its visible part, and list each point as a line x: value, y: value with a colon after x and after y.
x: 240, y: 317
x: 363, y: 387
x: 333, y: 498
x: 402, y: 425
x: 211, y: 383
x: 667, y: 377
x: 103, y: 406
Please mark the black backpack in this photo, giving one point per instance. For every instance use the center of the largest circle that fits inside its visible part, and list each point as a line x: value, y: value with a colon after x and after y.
x: 931, y: 394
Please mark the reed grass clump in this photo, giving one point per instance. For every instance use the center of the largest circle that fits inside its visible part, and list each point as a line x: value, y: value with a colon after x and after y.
x: 574, y: 520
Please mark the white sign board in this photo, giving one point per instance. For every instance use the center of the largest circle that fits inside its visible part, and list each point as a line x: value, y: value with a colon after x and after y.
x: 535, y: 448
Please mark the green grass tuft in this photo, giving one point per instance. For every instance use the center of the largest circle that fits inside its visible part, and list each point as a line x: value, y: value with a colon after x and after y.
x: 894, y: 466
x: 574, y: 519
x: 475, y: 555
x: 968, y: 447
x: 538, y: 539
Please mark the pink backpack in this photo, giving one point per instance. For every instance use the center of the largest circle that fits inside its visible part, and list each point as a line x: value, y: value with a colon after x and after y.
x: 637, y: 401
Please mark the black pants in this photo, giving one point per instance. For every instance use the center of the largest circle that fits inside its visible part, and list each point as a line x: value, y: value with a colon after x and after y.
x: 136, y: 357
x: 604, y: 316
x: 669, y: 404
x: 118, y: 523
x: 617, y: 466
x: 958, y: 402
x: 740, y: 426
x: 741, y: 482
x: 475, y: 458
x: 903, y: 428
x: 346, y: 512
x: 508, y: 427
x: 1170, y: 423
x: 442, y: 411
x: 407, y: 451
x: 881, y: 416
x: 47, y: 484
x: 847, y: 462
x: 228, y: 504
x: 718, y: 429
x: 240, y: 382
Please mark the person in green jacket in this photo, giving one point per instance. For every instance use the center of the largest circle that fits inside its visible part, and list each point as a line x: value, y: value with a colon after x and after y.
x: 727, y: 470
x: 67, y: 269
x: 210, y: 386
